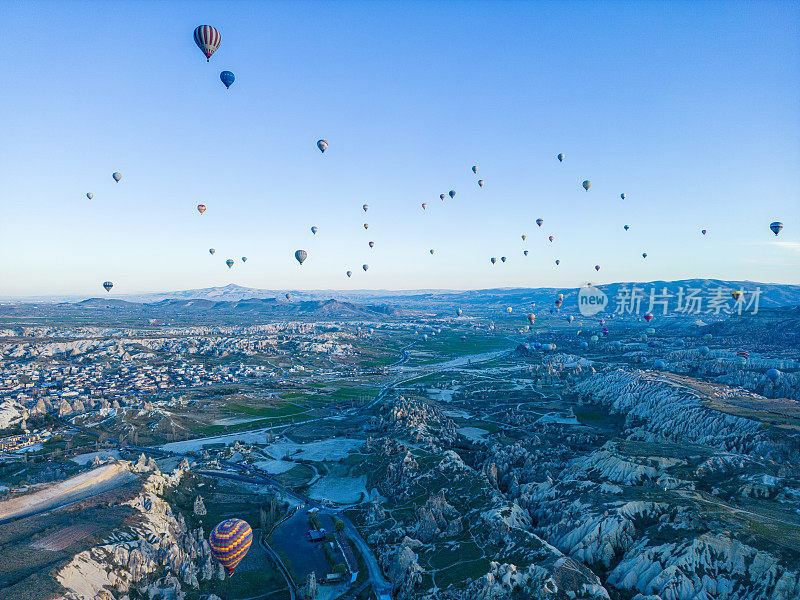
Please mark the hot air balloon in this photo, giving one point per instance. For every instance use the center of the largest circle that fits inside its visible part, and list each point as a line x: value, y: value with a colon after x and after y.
x: 648, y: 317
x: 89, y: 195
x: 424, y: 205
x: 551, y: 238
x: 650, y: 330
x: 244, y: 259
x: 431, y: 250
x: 230, y: 541
x: 776, y: 227
x: 525, y: 252
x: 503, y: 258
x: 560, y: 296
x: 207, y: 39
x: 531, y: 318
x: 288, y: 296
x: 773, y: 375
x: 108, y: 285
x: 349, y: 273
x: 626, y: 227
x: 558, y: 262
x: 524, y: 237
x: 736, y: 294
x: 597, y: 267
x: 365, y: 207
x: 314, y: 229
x: 493, y: 260
x: 570, y: 319
x: 441, y: 196
x: 372, y: 244
x: 117, y: 176
x: 229, y: 262
x: 558, y: 303
x: 475, y: 169
x: 622, y: 196
x: 539, y: 222
x: 211, y: 251
x: 365, y: 267
x: 509, y: 309
x: 366, y: 225
x: 459, y: 312
x: 452, y: 193
x: 594, y: 338
x: 322, y: 145
x: 201, y: 208
x: 586, y: 185
x: 644, y: 254
x: 480, y: 182
x: 704, y: 231
x: 227, y: 78
x: 561, y: 157
x: 301, y: 256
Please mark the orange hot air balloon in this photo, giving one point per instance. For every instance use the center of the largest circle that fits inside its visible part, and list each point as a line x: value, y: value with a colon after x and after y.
x: 201, y: 208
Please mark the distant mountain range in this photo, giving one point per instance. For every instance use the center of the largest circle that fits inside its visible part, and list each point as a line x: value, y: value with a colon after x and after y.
x: 234, y: 304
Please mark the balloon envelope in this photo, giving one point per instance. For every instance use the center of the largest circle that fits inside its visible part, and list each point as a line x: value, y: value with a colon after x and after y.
x: 207, y: 39
x: 230, y: 541
x: 227, y: 78
x: 561, y: 157
x: 586, y: 185
x: 108, y: 285
x: 201, y: 208
x: 365, y: 207
x: 89, y: 195
x: 474, y: 168
x: 117, y: 176
x: 539, y: 222
x: 211, y: 251
x: 322, y: 145
x: 314, y: 230
x: 480, y: 182
x: 365, y: 267
x: 776, y: 227
x: 229, y: 262
x: 452, y: 193
x: 349, y: 273
x: 301, y: 255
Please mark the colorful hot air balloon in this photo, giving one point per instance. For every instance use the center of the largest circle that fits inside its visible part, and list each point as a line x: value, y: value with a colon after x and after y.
x: 365, y: 207
x: 366, y: 225
x: 301, y: 255
x: 776, y: 227
x: 201, y: 208
x: 441, y: 196
x: 452, y: 193
x: 503, y: 258
x: 704, y: 231
x: 431, y: 250
x: 558, y: 303
x: 531, y: 318
x: 117, y: 176
x: 551, y: 238
x: 475, y: 169
x: 424, y: 205
x: 586, y: 185
x: 644, y: 254
x: 227, y: 78
x: 288, y: 296
x: 493, y: 260
x: 230, y: 541
x: 372, y: 244
x: 349, y: 274
x: 509, y: 309
x: 211, y: 251
x: 539, y: 222
x: 108, y: 285
x: 626, y: 227
x: 365, y: 267
x: 622, y: 196
x: 736, y: 294
x: 648, y: 317
x: 525, y: 252
x: 244, y: 259
x: 560, y: 296
x: 229, y: 262
x: 480, y: 182
x: 597, y: 267
x: 322, y: 145
x: 561, y: 157
x: 524, y: 237
x: 314, y: 229
x: 89, y: 195
x: 207, y: 39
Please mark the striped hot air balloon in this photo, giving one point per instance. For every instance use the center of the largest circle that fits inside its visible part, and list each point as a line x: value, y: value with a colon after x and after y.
x: 230, y: 541
x: 207, y: 39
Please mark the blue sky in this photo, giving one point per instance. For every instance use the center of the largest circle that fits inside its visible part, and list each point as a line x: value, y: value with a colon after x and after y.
x: 690, y: 108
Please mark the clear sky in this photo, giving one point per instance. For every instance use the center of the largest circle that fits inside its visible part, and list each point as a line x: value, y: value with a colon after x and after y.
x: 692, y: 109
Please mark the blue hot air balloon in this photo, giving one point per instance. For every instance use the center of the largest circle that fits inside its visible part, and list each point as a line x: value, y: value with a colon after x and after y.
x: 227, y: 78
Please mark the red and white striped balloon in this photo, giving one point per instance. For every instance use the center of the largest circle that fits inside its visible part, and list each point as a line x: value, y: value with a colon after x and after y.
x: 207, y: 39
